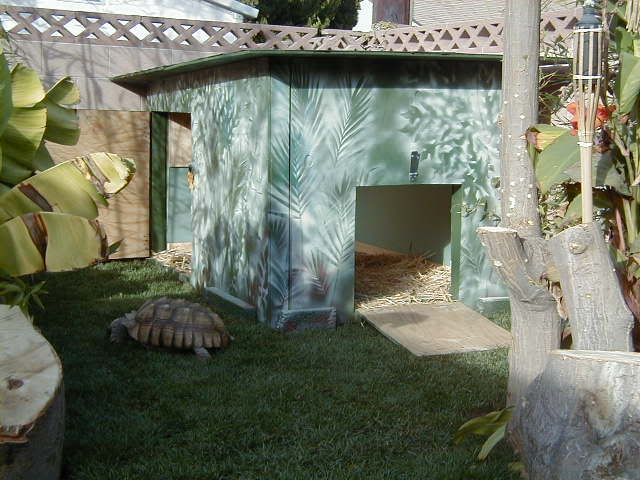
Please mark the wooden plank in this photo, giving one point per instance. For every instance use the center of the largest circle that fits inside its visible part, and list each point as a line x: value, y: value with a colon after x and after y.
x: 127, y: 134
x: 179, y: 140
x: 438, y: 329
x: 362, y: 247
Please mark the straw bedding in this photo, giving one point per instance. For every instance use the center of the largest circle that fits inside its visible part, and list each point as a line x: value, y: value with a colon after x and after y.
x: 385, y: 280
x: 177, y: 257
x: 382, y: 280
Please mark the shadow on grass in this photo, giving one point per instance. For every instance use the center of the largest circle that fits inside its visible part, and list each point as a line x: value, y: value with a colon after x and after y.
x: 326, y: 404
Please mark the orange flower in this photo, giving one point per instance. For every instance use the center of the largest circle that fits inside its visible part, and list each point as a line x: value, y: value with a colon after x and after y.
x: 602, y: 115
x: 572, y: 108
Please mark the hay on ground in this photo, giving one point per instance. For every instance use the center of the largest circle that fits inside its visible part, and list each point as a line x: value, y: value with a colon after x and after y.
x: 382, y: 280
x: 387, y: 280
x: 177, y: 257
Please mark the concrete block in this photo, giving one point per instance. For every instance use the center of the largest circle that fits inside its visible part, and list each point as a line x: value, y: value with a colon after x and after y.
x: 180, y: 56
x: 60, y: 59
x: 29, y: 53
x: 102, y: 94
x: 126, y: 59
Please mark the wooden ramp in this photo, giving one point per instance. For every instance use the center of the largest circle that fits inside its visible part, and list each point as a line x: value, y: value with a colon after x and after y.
x: 438, y: 329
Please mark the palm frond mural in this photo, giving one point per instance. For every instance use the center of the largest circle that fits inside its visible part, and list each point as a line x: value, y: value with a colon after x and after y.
x: 281, y: 146
x: 230, y: 163
x: 323, y: 243
x: 457, y: 132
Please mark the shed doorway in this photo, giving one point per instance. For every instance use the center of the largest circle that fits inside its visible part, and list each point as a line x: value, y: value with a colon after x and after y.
x: 172, y: 183
x: 407, y: 264
x: 179, y: 179
x: 404, y: 245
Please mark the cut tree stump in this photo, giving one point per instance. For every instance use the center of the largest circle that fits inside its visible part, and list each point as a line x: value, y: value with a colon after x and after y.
x: 536, y: 326
x: 580, y: 419
x: 31, y: 401
x: 598, y: 314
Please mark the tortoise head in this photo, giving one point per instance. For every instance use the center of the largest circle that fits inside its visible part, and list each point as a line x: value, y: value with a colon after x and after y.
x: 119, y: 328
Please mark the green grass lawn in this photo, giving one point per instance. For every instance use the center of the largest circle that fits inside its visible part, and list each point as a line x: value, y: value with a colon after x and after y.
x: 346, y: 404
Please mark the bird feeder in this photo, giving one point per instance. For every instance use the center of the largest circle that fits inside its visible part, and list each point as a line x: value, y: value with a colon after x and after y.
x: 587, y: 75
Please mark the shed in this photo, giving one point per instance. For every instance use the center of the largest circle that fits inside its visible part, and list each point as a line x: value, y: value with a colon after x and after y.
x: 297, y: 155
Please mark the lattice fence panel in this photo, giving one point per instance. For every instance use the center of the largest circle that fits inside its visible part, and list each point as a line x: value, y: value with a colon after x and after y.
x: 39, y: 24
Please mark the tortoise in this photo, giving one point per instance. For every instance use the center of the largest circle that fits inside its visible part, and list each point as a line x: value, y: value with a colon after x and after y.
x: 173, y: 323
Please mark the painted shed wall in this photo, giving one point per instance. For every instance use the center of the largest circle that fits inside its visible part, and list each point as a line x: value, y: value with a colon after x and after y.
x: 280, y: 146
x: 356, y: 123
x: 230, y: 128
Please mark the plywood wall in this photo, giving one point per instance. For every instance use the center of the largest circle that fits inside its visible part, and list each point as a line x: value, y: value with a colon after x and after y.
x: 179, y: 140
x: 126, y: 134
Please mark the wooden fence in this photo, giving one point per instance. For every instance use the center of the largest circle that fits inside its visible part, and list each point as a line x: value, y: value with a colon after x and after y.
x: 45, y: 25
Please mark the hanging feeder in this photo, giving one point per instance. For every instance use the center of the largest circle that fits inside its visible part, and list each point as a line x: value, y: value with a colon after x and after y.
x: 587, y: 75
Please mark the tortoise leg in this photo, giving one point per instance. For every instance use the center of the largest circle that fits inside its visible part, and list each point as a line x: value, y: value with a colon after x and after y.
x: 202, y: 353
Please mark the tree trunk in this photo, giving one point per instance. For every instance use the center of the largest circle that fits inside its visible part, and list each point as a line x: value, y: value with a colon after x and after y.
x: 599, y: 316
x: 580, y: 419
x: 517, y: 251
x: 535, y: 325
x: 519, y: 199
x: 31, y: 401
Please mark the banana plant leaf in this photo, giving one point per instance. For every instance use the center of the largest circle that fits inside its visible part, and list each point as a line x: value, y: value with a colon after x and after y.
x: 50, y: 241
x: 35, y: 116
x: 22, y: 137
x: 541, y: 135
x: 76, y: 187
x: 26, y: 87
x: 62, y: 121
x: 6, y: 104
x: 628, y: 86
x: 559, y: 163
x: 42, y: 159
x: 62, y: 188
x: 574, y: 210
x: 110, y: 173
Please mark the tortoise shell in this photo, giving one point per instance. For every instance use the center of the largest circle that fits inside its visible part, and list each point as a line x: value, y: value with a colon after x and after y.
x: 177, y: 323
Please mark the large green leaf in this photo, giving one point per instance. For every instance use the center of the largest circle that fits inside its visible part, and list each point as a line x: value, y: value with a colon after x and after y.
x: 77, y: 187
x: 110, y: 173
x: 42, y: 159
x: 628, y: 86
x: 624, y: 40
x: 559, y: 162
x: 604, y: 173
x: 539, y: 137
x: 574, y: 210
x: 62, y: 188
x: 554, y: 161
x: 64, y: 92
x: 35, y: 116
x: 21, y: 140
x: 62, y: 122
x: 49, y: 241
x: 26, y: 87
x: 13, y: 173
x: 6, y: 105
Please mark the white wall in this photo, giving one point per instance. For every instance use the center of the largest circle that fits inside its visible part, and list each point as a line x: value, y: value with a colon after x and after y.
x: 435, y: 13
x: 184, y: 9
x: 365, y: 16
